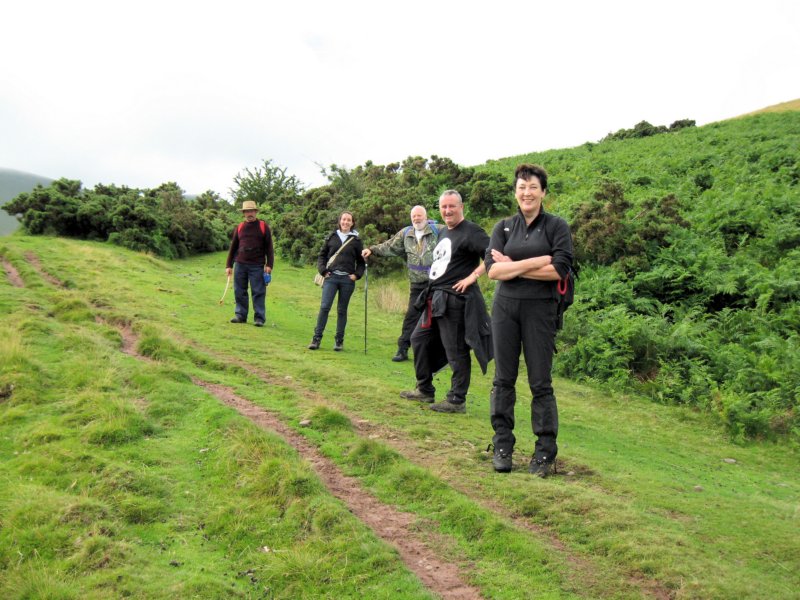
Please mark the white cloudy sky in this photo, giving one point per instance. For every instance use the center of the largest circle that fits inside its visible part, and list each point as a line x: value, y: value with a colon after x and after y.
x: 140, y: 93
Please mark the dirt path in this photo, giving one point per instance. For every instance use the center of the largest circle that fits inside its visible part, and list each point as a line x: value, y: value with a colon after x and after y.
x: 394, y: 527
x: 37, y: 264
x: 12, y: 274
x: 391, y: 525
x: 580, y: 566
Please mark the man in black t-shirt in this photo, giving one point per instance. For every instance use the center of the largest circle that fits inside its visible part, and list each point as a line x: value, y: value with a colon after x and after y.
x: 454, y: 318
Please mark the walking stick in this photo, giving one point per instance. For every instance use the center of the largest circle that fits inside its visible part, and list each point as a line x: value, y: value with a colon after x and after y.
x: 227, y: 284
x: 366, y: 290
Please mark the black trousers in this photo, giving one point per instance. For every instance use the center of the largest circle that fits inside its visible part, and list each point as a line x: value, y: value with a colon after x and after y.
x: 450, y: 330
x: 412, y: 315
x: 529, y: 326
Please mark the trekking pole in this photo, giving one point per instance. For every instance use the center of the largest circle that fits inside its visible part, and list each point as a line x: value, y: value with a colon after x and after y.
x: 227, y: 285
x: 366, y: 290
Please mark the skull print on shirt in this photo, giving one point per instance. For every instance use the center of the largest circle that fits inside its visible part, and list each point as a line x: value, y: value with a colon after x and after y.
x: 441, y: 258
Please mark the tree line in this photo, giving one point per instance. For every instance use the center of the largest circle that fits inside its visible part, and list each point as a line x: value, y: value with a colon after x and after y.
x: 161, y: 220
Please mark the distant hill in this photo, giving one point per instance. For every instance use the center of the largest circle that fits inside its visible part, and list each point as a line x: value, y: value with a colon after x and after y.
x: 782, y: 107
x: 13, y: 183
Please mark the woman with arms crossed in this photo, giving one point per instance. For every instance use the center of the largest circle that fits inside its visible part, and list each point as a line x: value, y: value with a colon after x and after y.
x: 528, y: 253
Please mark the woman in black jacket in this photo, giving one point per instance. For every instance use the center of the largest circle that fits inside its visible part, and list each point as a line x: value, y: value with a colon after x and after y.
x: 341, y: 263
x: 528, y: 254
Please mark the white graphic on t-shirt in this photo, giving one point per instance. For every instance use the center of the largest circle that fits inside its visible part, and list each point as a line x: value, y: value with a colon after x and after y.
x: 441, y: 258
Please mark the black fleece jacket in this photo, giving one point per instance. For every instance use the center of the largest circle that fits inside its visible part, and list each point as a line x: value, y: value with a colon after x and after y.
x: 348, y: 261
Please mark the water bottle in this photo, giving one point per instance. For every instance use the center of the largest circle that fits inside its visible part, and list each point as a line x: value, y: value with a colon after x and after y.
x: 267, y: 278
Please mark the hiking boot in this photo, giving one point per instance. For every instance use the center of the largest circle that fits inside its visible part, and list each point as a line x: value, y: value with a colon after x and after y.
x: 238, y: 319
x: 415, y: 394
x: 338, y: 346
x: 449, y: 407
x: 402, y: 354
x: 314, y: 345
x: 540, y: 467
x: 259, y: 323
x: 501, y: 461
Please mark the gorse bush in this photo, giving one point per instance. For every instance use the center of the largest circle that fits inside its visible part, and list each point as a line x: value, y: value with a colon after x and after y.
x: 161, y: 220
x: 380, y: 197
x: 645, y: 129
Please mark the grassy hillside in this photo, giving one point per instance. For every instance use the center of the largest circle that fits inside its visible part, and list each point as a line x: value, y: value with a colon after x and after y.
x: 13, y: 183
x: 126, y: 473
x: 690, y: 243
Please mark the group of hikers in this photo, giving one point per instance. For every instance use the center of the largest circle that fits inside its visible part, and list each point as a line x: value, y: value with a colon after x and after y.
x: 528, y: 255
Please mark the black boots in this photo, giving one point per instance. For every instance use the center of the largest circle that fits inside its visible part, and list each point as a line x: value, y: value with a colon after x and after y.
x: 402, y: 354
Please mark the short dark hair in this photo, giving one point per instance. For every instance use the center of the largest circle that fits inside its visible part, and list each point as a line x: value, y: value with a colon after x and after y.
x: 526, y: 171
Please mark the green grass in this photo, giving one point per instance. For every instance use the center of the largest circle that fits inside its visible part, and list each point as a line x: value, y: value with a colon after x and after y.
x: 120, y: 476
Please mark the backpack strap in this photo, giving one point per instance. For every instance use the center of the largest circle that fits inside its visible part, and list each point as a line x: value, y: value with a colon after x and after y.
x: 262, y: 225
x: 333, y: 258
x: 431, y: 224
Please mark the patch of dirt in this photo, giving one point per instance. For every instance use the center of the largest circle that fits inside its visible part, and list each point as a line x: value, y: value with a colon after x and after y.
x: 6, y: 391
x: 129, y: 338
x: 129, y: 341
x: 12, y: 274
x: 37, y: 264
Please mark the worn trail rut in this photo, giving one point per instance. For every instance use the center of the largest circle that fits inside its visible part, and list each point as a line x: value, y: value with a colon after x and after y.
x: 442, y: 577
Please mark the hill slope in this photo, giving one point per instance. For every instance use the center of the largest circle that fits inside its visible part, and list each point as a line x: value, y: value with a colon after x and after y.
x: 123, y: 474
x: 13, y: 183
x: 690, y: 243
x: 791, y: 105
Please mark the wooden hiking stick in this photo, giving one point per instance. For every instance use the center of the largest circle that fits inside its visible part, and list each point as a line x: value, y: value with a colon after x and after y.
x: 227, y: 285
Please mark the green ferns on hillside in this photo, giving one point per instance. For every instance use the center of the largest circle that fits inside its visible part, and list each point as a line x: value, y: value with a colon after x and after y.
x: 690, y: 251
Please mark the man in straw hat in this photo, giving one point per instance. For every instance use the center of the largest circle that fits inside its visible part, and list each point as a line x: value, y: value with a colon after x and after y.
x: 250, y: 257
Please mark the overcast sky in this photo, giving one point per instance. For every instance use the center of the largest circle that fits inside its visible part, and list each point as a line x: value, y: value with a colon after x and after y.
x: 140, y: 93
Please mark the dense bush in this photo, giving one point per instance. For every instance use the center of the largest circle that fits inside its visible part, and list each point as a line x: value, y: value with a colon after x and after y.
x: 161, y: 220
x: 380, y: 197
x: 690, y: 251
x: 645, y: 129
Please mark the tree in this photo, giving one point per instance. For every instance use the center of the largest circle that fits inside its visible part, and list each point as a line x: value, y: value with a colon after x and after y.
x: 269, y: 187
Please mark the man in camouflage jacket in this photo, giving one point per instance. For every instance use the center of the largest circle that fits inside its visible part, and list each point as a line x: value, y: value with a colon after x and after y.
x: 416, y: 242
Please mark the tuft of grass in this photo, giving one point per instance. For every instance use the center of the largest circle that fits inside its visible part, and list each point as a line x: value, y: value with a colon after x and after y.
x: 324, y: 419
x: 72, y: 310
x: 121, y: 426
x: 417, y: 484
x: 370, y: 457
x: 13, y: 353
x: 392, y: 298
x: 154, y: 344
x: 39, y: 579
x: 280, y: 484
